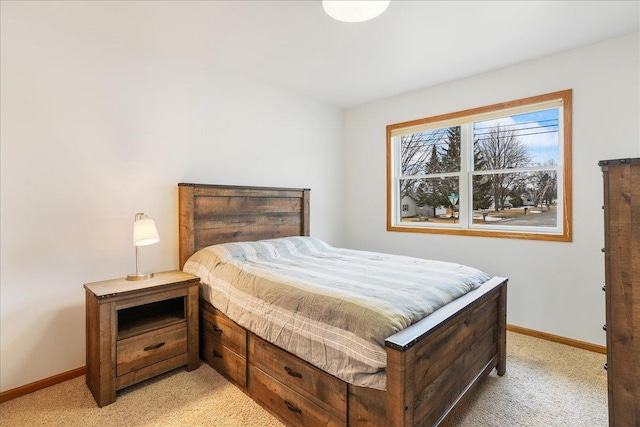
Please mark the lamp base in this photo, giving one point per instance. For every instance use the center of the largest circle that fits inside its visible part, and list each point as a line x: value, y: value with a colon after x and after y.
x: 140, y: 276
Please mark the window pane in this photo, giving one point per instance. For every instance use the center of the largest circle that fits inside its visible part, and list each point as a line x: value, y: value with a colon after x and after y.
x: 526, y: 199
x: 430, y: 199
x: 429, y: 152
x: 517, y: 141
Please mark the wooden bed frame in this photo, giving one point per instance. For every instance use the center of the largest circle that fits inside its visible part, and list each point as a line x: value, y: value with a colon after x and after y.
x: 432, y: 367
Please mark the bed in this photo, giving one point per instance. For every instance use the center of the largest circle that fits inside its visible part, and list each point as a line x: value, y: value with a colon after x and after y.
x: 432, y: 366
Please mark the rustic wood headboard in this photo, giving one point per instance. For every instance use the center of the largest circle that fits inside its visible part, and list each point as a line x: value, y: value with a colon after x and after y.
x: 212, y: 214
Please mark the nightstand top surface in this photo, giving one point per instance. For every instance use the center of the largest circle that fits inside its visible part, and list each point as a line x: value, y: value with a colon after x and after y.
x: 112, y: 288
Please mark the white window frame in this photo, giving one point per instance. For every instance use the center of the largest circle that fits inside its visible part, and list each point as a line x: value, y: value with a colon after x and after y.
x: 465, y: 119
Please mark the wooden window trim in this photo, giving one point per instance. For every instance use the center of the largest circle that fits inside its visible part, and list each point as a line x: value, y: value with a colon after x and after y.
x: 567, y: 194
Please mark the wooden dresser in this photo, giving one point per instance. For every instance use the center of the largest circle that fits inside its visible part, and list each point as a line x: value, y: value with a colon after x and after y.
x: 622, y: 288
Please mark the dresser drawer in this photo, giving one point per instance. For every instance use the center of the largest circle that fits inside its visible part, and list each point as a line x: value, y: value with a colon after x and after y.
x: 154, y: 346
x: 224, y: 330
x: 224, y: 360
x: 304, y: 378
x: 290, y: 407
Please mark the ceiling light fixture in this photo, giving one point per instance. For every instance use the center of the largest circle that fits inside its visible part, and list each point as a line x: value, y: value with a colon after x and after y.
x: 354, y: 10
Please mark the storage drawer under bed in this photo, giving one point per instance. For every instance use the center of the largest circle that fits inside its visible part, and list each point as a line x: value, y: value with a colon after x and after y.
x: 222, y: 359
x: 223, y: 330
x: 223, y: 345
x: 299, y: 393
x: 289, y: 406
x: 299, y: 375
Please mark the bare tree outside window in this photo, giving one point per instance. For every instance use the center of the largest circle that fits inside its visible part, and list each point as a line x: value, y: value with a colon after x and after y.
x: 501, y: 149
x: 416, y: 150
x: 542, y: 187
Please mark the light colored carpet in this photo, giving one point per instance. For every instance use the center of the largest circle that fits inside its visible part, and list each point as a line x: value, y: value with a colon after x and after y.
x: 546, y: 384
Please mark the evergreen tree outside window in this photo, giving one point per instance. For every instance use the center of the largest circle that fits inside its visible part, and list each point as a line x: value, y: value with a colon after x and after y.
x: 502, y: 171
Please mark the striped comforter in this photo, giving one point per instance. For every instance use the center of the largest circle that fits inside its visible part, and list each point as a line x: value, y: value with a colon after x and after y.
x: 332, y: 307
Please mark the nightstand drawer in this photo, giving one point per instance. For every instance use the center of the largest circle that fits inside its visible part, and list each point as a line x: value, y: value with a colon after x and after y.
x: 224, y: 330
x: 142, y: 350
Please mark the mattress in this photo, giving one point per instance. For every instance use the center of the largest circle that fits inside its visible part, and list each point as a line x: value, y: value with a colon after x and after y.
x: 333, y: 307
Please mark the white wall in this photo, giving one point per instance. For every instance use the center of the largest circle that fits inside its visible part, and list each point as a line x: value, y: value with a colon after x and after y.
x: 94, y: 131
x: 553, y: 287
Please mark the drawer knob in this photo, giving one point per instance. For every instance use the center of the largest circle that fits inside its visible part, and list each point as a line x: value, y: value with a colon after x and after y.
x: 154, y: 346
x: 292, y: 407
x: 217, y: 330
x: 604, y: 327
x: 603, y: 288
x: 605, y: 366
x: 292, y: 372
x: 217, y: 355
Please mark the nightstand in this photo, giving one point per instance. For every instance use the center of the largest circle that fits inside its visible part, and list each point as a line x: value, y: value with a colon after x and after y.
x: 139, y: 329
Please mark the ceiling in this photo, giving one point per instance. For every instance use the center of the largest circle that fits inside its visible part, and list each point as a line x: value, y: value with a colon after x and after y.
x: 294, y: 45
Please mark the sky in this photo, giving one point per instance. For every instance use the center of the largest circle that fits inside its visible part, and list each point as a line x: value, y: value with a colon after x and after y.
x: 538, y: 131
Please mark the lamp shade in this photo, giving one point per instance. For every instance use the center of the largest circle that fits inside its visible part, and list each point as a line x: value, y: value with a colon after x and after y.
x: 354, y: 10
x: 145, y: 232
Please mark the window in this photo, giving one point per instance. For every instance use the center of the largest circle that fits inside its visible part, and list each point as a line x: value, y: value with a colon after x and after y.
x: 501, y: 171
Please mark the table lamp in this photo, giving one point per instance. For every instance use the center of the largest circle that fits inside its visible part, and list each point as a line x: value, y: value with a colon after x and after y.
x: 144, y: 233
